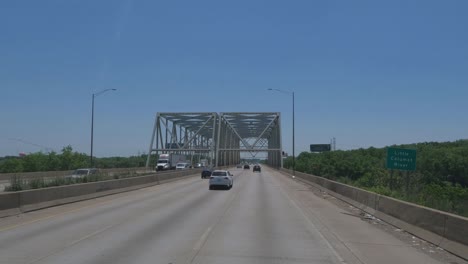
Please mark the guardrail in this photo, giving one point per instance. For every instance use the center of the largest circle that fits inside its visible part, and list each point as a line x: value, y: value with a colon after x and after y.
x: 445, y: 230
x: 13, y: 203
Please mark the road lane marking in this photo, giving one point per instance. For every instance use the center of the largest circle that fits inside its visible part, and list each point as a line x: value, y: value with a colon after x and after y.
x: 125, y: 195
x: 97, y: 232
x: 311, y: 224
x: 52, y: 216
x: 202, y: 239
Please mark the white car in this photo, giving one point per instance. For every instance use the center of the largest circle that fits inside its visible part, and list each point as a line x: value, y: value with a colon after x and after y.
x: 182, y: 166
x: 80, y: 173
x: 221, y: 179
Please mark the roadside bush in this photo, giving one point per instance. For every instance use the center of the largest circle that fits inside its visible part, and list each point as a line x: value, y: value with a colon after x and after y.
x: 16, y: 184
x: 36, y: 183
x: 57, y: 181
x: 440, y: 180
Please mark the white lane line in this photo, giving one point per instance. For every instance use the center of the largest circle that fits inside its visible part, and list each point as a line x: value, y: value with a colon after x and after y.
x: 311, y: 224
x: 104, y: 200
x: 97, y: 232
x: 202, y: 239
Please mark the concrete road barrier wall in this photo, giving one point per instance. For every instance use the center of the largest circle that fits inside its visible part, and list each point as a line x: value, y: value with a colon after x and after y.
x: 9, y: 204
x: 443, y: 229
x: 42, y: 174
x: 12, y: 203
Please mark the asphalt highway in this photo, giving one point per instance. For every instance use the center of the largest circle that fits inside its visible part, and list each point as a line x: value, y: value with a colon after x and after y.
x: 265, y: 218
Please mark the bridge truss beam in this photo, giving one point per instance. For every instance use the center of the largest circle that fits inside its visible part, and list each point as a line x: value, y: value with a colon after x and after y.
x: 224, y: 139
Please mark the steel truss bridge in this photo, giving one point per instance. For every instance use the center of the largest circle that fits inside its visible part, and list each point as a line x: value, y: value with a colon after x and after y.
x: 221, y: 138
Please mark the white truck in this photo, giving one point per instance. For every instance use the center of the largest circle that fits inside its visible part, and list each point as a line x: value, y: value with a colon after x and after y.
x: 169, y: 161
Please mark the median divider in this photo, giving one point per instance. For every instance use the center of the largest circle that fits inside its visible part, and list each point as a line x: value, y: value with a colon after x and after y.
x: 443, y: 229
x: 51, y: 174
x: 13, y: 203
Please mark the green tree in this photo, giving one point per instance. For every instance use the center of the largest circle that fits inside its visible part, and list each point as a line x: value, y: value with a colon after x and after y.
x: 12, y: 165
x: 440, y: 179
x: 35, y: 162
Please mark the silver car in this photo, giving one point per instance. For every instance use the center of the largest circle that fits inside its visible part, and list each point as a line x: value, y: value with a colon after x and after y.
x: 221, y: 179
x: 80, y: 173
x: 182, y: 166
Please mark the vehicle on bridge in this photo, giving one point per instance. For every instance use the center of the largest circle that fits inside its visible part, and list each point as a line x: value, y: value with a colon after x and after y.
x: 204, y: 162
x: 221, y: 179
x: 206, y: 172
x: 246, y: 167
x: 169, y: 161
x: 183, y: 166
x: 257, y: 168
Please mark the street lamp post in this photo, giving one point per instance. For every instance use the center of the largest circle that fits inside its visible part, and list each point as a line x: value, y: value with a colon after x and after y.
x: 92, y: 122
x: 293, y: 144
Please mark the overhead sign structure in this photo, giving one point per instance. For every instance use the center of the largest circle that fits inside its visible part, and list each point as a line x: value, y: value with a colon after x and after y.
x: 401, y: 159
x: 320, y: 147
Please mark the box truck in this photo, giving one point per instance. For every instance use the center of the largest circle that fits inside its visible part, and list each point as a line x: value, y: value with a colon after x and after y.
x: 169, y: 161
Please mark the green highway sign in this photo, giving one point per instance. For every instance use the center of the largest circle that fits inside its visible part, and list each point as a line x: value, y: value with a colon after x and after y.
x: 320, y: 147
x: 401, y: 159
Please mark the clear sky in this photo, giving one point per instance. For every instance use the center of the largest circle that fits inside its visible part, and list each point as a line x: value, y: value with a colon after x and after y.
x: 370, y: 73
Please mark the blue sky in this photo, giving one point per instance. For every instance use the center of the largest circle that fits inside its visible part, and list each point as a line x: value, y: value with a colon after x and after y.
x: 370, y: 73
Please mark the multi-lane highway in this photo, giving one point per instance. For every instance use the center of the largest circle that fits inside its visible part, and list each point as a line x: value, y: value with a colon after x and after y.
x: 265, y: 218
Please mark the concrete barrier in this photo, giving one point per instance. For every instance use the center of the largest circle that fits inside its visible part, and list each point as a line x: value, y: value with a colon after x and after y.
x: 13, y: 203
x: 42, y: 174
x: 443, y: 229
x: 9, y: 204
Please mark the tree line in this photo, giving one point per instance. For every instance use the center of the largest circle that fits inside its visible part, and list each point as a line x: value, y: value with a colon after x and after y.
x: 66, y: 160
x: 440, y: 180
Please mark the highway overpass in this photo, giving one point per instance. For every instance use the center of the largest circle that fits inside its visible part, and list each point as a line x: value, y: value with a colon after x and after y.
x: 266, y: 217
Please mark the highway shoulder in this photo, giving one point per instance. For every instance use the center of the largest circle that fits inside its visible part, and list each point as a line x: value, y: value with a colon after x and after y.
x: 358, y: 237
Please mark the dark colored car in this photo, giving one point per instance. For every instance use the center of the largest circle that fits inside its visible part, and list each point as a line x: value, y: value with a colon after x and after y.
x: 206, y: 173
x: 246, y: 167
x: 257, y: 168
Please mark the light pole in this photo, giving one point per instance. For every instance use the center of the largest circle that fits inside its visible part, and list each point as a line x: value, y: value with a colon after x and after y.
x: 92, y: 122
x: 293, y: 145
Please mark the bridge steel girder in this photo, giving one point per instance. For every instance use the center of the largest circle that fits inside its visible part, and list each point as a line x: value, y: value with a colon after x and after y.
x: 191, y: 134
x: 221, y: 138
x: 248, y: 132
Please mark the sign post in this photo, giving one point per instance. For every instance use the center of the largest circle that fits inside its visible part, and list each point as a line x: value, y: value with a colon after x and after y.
x: 401, y: 159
